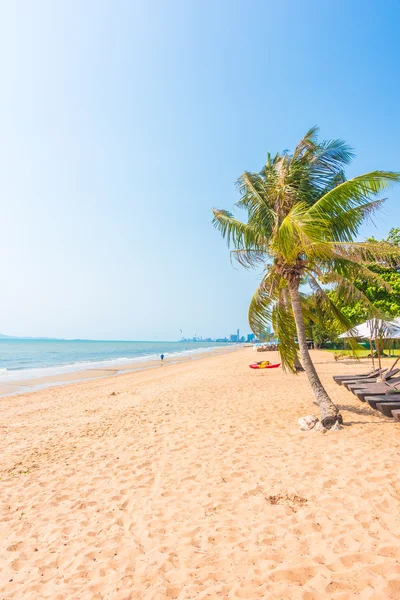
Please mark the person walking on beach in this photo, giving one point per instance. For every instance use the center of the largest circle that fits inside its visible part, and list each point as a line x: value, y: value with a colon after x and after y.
x: 162, y: 357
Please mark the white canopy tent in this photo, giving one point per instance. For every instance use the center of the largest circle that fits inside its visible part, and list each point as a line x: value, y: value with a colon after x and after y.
x: 375, y: 329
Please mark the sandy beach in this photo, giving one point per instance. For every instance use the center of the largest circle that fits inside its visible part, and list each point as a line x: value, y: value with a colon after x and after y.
x: 194, y: 481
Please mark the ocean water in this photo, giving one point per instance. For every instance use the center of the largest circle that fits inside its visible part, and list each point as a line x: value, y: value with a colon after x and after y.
x: 26, y: 359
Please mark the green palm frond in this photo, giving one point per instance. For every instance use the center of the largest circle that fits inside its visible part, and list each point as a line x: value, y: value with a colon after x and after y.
x: 271, y: 305
x: 328, y: 305
x: 249, y: 258
x: 235, y: 232
x: 366, y: 252
x: 345, y: 225
x: 285, y: 328
x: 333, y: 182
x: 328, y: 162
x: 321, y: 165
x: 306, y: 309
x: 347, y: 271
x: 345, y: 289
x: 256, y: 200
x: 299, y: 234
x: 262, y: 302
x: 352, y: 194
x: 252, y: 187
x: 307, y: 143
x: 332, y: 155
x: 287, y: 240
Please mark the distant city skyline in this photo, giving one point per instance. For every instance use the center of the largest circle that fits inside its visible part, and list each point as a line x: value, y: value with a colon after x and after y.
x: 233, y: 337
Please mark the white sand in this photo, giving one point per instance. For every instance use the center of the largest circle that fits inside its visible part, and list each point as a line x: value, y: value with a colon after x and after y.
x: 194, y: 481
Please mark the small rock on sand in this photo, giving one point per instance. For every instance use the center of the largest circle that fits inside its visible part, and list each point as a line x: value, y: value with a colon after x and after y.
x: 308, y: 422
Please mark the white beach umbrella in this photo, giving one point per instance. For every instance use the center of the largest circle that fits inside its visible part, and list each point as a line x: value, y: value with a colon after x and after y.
x: 396, y: 322
x: 374, y: 329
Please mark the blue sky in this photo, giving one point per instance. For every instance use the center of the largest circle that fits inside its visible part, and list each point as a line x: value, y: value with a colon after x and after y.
x: 124, y: 123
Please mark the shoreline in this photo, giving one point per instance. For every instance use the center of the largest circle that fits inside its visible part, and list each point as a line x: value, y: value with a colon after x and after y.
x: 25, y: 386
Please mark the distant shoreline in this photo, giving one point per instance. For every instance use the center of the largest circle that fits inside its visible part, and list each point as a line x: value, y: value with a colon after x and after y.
x: 23, y: 386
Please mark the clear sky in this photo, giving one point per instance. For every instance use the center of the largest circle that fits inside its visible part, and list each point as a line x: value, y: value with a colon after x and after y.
x: 124, y: 123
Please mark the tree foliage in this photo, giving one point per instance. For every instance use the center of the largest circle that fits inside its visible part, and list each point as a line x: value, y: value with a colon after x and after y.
x: 384, y: 296
x: 321, y: 326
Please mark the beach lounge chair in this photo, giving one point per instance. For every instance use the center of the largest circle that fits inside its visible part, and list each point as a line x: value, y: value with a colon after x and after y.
x: 339, y: 379
x: 390, y: 374
x: 374, y: 400
x: 358, y: 383
x: 387, y: 407
x: 396, y: 414
x: 377, y: 389
x: 367, y: 380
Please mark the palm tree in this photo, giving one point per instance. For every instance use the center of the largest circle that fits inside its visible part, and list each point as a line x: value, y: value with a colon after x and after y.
x: 303, y: 216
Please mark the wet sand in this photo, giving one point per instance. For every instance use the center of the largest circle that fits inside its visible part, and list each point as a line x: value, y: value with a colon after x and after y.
x: 194, y: 481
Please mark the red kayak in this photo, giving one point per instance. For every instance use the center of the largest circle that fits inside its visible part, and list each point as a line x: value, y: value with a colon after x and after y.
x: 256, y: 366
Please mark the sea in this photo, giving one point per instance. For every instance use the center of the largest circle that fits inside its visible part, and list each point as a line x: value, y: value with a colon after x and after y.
x: 35, y: 358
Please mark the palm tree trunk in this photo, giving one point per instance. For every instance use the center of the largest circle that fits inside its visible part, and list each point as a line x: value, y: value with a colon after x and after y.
x: 297, y: 364
x: 329, y: 412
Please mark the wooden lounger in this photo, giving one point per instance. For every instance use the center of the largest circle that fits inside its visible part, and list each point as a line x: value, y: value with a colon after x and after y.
x: 352, y: 383
x: 377, y: 389
x: 389, y: 380
x: 340, y: 378
x: 358, y: 383
x: 396, y: 414
x: 374, y: 374
x: 387, y: 407
x: 374, y: 400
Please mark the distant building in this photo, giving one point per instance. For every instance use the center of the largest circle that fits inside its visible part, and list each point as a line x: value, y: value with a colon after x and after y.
x: 251, y: 337
x: 233, y: 338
